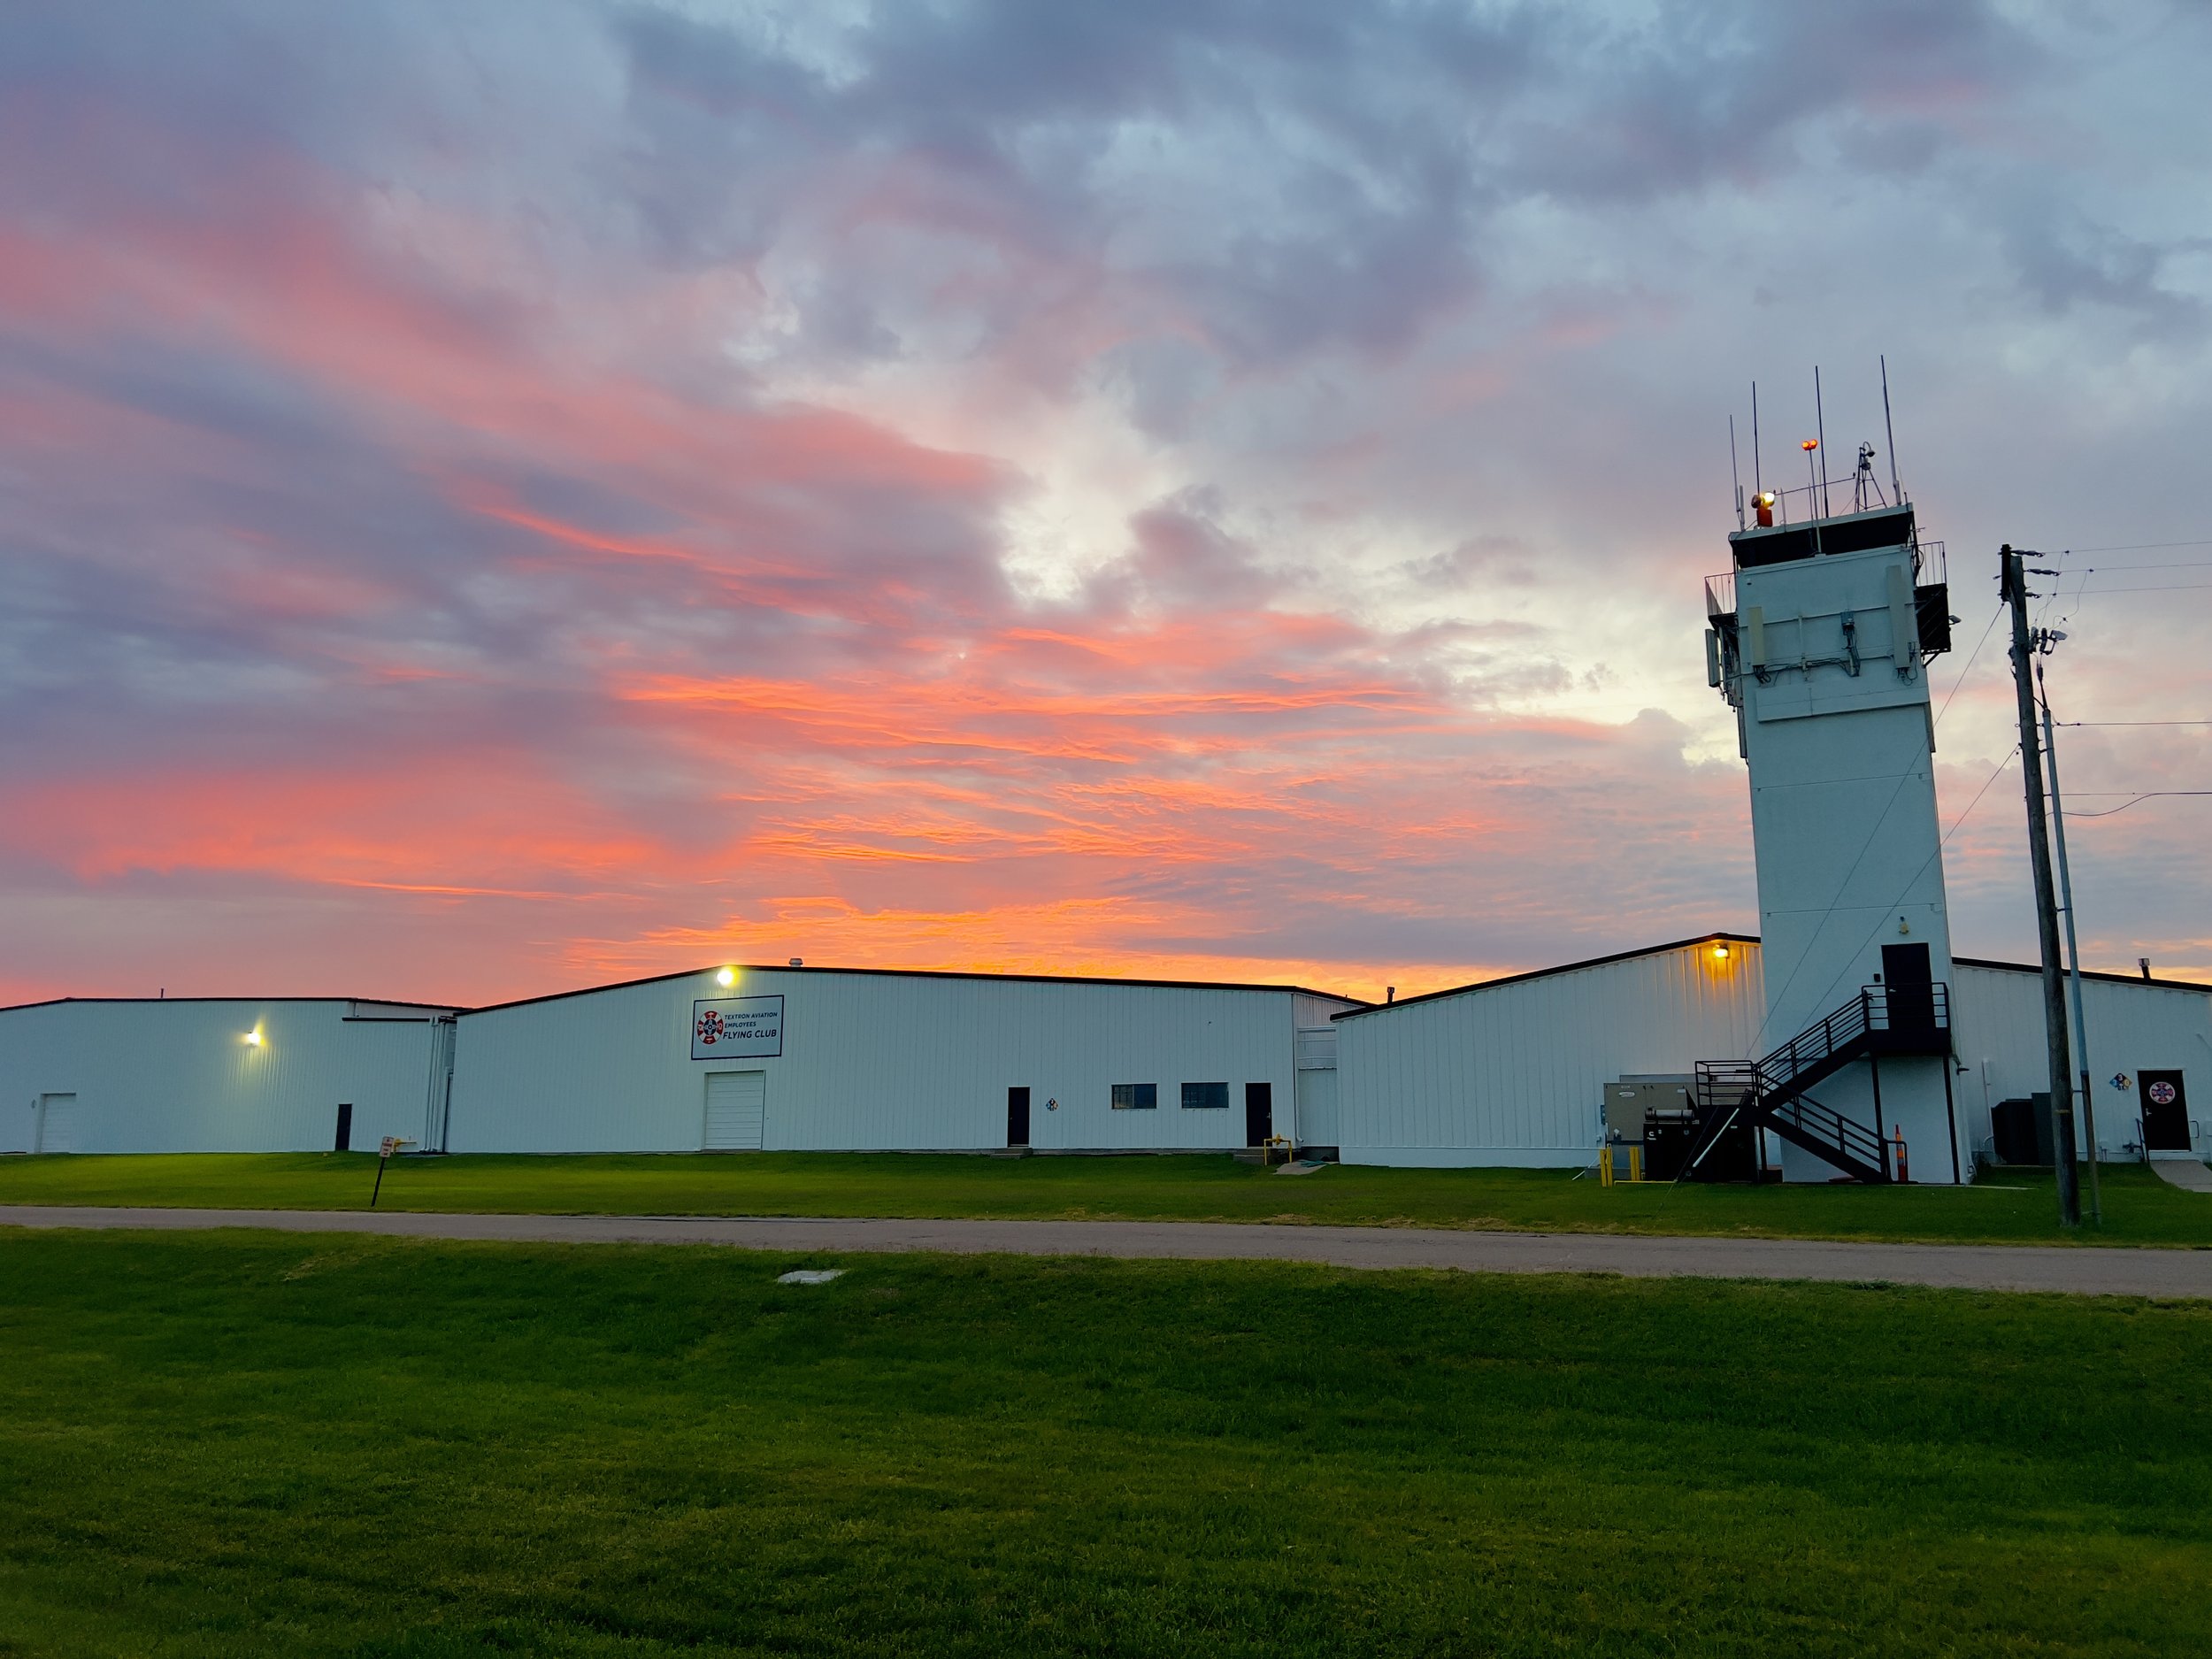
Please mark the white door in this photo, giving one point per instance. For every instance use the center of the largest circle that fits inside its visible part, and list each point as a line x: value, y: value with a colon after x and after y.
x: 737, y: 1110
x: 1315, y: 1087
x: 56, y: 1123
x: 1317, y: 1109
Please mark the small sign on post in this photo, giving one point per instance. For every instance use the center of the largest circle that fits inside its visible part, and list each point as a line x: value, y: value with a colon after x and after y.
x: 390, y: 1144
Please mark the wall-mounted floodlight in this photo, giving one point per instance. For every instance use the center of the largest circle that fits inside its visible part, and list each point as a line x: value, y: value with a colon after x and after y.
x: 253, y: 1038
x: 726, y: 978
x: 1720, y: 950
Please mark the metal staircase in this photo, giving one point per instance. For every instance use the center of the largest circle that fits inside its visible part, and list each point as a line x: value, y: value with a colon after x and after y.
x: 1769, y: 1093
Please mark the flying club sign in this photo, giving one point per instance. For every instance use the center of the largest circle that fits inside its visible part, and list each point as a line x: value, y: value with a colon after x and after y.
x: 737, y: 1028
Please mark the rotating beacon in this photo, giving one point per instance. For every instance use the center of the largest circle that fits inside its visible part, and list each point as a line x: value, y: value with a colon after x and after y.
x: 1819, y: 638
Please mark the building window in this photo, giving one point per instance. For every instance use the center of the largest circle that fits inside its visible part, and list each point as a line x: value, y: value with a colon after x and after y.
x: 1136, y: 1097
x: 1212, y: 1097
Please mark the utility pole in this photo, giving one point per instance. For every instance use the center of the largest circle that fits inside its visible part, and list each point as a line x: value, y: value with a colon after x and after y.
x: 2073, y: 943
x: 2014, y: 590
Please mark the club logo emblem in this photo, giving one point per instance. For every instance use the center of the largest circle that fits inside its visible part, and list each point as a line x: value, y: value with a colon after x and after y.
x: 2161, y: 1093
x: 710, y: 1027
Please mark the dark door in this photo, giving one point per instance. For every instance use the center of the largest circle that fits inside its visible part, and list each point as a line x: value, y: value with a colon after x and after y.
x: 1259, y: 1113
x: 1910, y: 984
x: 345, y: 1128
x: 2165, y: 1111
x: 1017, y: 1117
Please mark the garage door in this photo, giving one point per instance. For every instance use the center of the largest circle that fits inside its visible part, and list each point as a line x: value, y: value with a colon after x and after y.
x: 737, y: 1110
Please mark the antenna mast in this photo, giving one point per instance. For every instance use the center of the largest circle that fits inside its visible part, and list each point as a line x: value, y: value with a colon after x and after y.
x: 1735, y: 478
x: 1758, y: 484
x: 1896, y: 490
x: 1820, y: 432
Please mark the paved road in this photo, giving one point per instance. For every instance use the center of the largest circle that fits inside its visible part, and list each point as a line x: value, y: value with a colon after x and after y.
x: 2088, y: 1271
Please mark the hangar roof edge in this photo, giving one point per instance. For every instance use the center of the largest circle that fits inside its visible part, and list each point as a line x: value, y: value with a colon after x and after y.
x: 362, y: 1001
x: 1546, y: 973
x: 928, y: 973
x: 2103, y: 974
x: 2098, y: 974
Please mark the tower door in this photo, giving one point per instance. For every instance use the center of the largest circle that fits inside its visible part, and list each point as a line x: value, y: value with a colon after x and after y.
x: 1259, y: 1113
x: 1910, y: 982
x: 2165, y: 1111
x: 1017, y: 1117
x: 737, y: 1112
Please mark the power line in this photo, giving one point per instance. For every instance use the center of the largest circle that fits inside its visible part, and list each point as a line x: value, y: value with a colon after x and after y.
x: 1943, y: 841
x: 1968, y: 669
x: 1971, y: 806
x: 2139, y: 547
x: 2074, y: 609
x: 2167, y: 588
x: 2058, y: 581
x: 2152, y: 795
x: 2134, y: 723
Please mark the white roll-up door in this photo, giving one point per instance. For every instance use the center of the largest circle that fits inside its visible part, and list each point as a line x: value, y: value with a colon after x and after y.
x: 1315, y: 1049
x: 737, y: 1110
x: 56, y: 1123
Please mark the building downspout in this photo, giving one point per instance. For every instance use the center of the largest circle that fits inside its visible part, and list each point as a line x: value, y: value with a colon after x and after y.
x: 440, y: 1103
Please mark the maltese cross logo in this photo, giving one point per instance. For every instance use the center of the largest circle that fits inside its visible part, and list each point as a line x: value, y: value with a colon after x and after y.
x: 710, y: 1026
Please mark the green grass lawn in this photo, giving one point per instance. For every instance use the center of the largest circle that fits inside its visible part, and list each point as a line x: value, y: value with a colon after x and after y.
x: 2014, y: 1207
x: 239, y: 1443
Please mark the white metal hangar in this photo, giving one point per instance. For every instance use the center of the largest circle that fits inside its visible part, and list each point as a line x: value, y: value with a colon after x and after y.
x: 1514, y: 1071
x: 218, y: 1074
x: 1518, y: 1071
x: 732, y: 1058
x: 792, y: 1058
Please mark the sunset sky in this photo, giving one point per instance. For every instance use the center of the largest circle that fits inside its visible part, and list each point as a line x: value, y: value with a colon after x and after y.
x: 495, y: 497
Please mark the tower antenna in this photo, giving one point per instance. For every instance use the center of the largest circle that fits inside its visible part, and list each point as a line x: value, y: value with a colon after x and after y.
x: 1896, y: 490
x: 1758, y: 484
x: 1735, y: 477
x: 1820, y: 432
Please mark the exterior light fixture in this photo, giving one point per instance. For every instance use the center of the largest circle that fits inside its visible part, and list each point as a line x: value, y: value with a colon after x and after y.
x: 1809, y: 444
x: 1720, y: 950
x: 253, y: 1038
x: 726, y: 978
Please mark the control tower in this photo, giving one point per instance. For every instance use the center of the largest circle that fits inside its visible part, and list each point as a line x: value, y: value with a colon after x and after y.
x: 1820, y: 638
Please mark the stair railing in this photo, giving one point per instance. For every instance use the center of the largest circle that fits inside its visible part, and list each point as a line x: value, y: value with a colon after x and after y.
x: 1772, y: 1086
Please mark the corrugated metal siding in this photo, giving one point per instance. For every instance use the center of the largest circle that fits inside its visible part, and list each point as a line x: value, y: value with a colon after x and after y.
x: 177, y: 1076
x: 1999, y: 1025
x: 869, y: 1062
x: 1318, y: 1010
x: 1514, y: 1075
